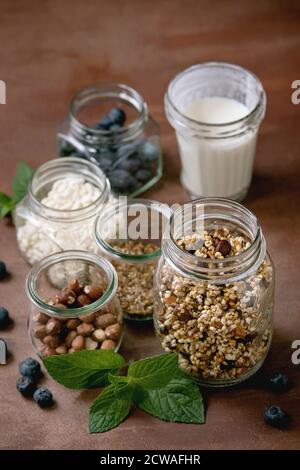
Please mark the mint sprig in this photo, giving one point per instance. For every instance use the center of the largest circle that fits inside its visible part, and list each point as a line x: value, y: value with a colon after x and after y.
x: 155, y: 384
x: 19, y: 189
x: 84, y: 369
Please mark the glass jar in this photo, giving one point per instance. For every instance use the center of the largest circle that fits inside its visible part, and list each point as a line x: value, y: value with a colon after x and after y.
x: 128, y: 152
x: 56, y: 328
x: 129, y: 234
x: 216, y: 110
x: 215, y: 310
x: 58, y: 212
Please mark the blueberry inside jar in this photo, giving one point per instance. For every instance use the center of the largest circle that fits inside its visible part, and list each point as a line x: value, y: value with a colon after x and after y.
x: 109, y: 125
x: 214, y: 292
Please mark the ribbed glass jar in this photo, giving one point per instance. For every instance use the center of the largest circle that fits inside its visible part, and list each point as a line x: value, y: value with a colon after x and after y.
x: 129, y: 153
x: 216, y: 313
x: 129, y: 234
x: 41, y: 229
x: 57, y: 329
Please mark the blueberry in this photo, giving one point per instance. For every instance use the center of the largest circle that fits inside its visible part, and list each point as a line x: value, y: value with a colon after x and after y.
x: 26, y: 386
x: 279, y: 382
x: 3, y: 271
x: 276, y: 417
x: 143, y: 175
x: 43, y: 397
x: 30, y: 368
x: 122, y: 181
x: 4, y: 317
x: 104, y: 124
x: 117, y: 116
x: 105, y: 164
x: 149, y: 152
x: 130, y: 164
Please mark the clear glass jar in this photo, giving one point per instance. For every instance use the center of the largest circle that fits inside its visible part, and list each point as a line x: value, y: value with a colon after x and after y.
x: 217, y: 154
x: 216, y: 313
x: 132, y: 243
x: 42, y: 230
x: 129, y: 154
x: 57, y: 329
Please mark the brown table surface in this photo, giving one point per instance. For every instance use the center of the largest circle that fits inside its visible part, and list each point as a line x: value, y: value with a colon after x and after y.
x: 51, y: 49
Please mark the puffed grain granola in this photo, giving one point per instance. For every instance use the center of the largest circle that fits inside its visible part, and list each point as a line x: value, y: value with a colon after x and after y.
x: 135, y: 280
x: 219, y: 330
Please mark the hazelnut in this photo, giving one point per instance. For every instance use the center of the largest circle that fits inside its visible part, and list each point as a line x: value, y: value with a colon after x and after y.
x: 89, y: 318
x: 51, y: 341
x: 83, y: 300
x: 113, y: 331
x: 108, y: 344
x: 41, y: 317
x: 48, y: 351
x: 70, y: 337
x: 53, y: 326
x: 170, y: 300
x: 61, y: 349
x: 99, y: 335
x: 40, y: 332
x: 65, y: 297
x: 93, y: 292
x: 71, y: 350
x: 90, y: 344
x: 74, y: 285
x: 73, y: 323
x: 78, y: 343
x: 105, y: 320
x: 85, y: 329
x: 223, y: 247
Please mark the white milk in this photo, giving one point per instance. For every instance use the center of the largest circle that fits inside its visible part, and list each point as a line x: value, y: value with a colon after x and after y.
x: 217, y: 167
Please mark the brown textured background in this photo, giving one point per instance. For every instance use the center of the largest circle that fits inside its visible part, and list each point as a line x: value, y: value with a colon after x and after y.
x: 50, y: 49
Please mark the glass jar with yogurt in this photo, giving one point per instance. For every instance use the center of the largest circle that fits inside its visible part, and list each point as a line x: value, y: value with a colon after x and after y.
x: 216, y: 110
x: 109, y: 124
x: 129, y: 234
x: 58, y: 212
x: 214, y: 292
x: 73, y: 304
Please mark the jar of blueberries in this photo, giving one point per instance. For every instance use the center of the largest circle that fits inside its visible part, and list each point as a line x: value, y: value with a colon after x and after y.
x: 109, y: 125
x: 73, y: 304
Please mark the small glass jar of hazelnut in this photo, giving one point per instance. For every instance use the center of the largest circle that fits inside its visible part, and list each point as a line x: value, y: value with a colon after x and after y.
x: 74, y: 305
x: 214, y: 292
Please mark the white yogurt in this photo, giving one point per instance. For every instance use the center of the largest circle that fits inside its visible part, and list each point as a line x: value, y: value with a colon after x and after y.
x: 217, y: 167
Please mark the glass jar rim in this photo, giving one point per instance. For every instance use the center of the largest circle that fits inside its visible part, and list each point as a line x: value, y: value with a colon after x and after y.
x: 216, y: 270
x: 73, y: 214
x: 71, y: 255
x: 256, y: 112
x: 109, y: 212
x: 112, y: 90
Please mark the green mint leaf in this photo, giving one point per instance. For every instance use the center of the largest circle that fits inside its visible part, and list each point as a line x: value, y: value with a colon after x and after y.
x: 6, y: 205
x: 83, y: 369
x: 21, y: 181
x: 178, y: 401
x: 154, y: 372
x: 111, y: 407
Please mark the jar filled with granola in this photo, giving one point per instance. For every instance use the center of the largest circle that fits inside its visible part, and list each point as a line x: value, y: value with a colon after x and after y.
x: 215, y: 291
x: 73, y: 304
x: 129, y: 234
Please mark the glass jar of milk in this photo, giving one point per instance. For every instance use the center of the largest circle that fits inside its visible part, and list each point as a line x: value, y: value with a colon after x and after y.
x: 216, y: 109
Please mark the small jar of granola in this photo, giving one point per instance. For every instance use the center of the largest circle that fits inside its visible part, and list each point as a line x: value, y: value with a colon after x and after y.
x: 215, y: 291
x: 129, y: 234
